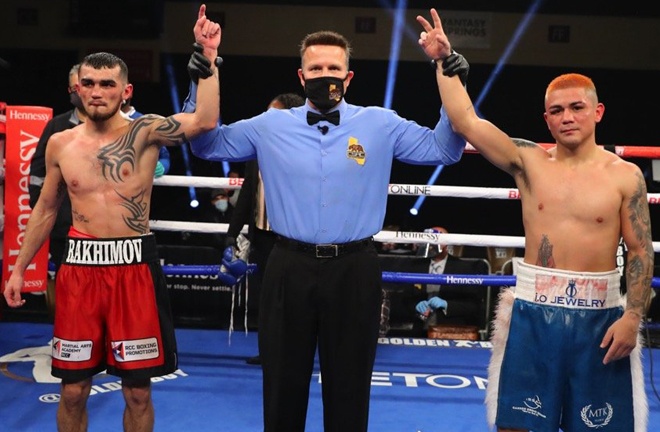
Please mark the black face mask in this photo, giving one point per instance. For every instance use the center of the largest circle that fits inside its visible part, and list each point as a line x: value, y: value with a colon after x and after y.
x: 324, y: 92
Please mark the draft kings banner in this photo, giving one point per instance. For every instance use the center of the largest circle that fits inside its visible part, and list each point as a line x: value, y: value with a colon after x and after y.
x: 23, y: 129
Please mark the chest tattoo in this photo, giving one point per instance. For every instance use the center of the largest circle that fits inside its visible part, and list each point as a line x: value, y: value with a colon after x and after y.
x: 138, y: 212
x: 122, y: 151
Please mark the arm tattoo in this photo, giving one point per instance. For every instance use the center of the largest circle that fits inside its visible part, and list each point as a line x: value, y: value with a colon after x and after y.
x: 138, y: 208
x: 516, y: 166
x: 519, y: 142
x: 170, y: 131
x: 639, y: 214
x: 61, y: 190
x: 639, y: 269
x: 545, y: 258
x: 635, y: 277
x: 121, y: 151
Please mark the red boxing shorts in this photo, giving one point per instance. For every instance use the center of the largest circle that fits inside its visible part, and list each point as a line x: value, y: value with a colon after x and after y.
x: 112, y: 310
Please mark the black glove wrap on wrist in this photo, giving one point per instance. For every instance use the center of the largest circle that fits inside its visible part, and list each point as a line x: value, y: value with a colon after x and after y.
x: 456, y: 64
x: 199, y: 66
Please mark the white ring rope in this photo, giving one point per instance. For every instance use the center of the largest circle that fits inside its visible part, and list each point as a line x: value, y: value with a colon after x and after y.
x: 383, y: 236
x: 204, y: 182
x: 394, y: 189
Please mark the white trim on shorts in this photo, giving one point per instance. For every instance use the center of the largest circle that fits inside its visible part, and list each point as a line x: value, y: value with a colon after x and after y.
x: 568, y: 289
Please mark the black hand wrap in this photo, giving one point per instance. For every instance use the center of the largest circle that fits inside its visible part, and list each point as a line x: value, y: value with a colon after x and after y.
x: 199, y: 66
x: 456, y: 64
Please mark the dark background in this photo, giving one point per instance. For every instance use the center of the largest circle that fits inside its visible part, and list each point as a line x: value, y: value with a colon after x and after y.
x: 36, y: 76
x: 515, y: 101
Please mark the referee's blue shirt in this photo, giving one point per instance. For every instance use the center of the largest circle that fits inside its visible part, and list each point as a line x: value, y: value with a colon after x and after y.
x: 332, y: 187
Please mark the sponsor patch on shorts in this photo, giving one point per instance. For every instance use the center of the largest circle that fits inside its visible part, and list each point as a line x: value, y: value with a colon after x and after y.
x: 571, y: 292
x: 135, y: 350
x: 75, y: 351
x: 597, y: 416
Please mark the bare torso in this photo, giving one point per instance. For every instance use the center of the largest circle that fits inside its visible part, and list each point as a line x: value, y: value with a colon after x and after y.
x: 572, y: 211
x: 109, y: 177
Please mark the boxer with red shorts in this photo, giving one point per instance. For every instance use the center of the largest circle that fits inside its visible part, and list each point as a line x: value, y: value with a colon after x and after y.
x: 112, y: 311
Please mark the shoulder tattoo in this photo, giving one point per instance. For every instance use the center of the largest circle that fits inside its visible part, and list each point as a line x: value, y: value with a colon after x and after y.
x: 122, y: 151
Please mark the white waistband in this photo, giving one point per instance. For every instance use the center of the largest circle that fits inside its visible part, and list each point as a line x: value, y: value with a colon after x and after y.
x: 563, y: 288
x: 110, y: 251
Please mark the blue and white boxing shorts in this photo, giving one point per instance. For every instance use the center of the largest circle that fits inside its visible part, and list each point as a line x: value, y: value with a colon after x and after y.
x: 547, y: 370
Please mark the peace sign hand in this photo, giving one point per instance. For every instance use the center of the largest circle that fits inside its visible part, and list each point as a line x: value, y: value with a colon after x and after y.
x: 433, y: 39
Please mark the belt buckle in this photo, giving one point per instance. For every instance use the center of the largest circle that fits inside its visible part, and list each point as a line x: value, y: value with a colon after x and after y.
x: 327, y: 250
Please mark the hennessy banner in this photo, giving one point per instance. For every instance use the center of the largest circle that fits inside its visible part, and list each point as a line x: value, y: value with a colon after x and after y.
x: 23, y: 129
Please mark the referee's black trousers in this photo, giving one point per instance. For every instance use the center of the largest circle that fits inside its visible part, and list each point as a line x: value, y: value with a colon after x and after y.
x: 332, y: 303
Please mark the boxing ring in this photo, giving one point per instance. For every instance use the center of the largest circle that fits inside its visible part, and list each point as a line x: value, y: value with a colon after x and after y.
x: 418, y: 384
x: 480, y: 240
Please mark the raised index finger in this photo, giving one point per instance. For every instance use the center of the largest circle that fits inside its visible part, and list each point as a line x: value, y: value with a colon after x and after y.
x: 202, y: 11
x: 425, y: 24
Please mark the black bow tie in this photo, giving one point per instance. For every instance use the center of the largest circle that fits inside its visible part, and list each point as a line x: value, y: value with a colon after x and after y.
x: 332, y: 117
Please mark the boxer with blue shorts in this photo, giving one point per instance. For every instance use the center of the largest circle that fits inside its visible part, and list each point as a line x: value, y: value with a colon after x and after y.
x: 547, y: 368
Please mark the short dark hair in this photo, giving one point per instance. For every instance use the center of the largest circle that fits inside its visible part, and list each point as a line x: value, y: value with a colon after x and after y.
x: 101, y: 60
x: 326, y: 37
x: 289, y: 100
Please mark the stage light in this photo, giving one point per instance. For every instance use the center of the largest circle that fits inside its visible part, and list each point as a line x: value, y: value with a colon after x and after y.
x: 420, y: 199
x: 520, y: 30
x: 176, y: 105
x: 395, y: 48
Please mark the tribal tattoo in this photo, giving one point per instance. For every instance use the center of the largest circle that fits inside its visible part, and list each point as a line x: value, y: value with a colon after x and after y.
x: 169, y: 130
x: 122, y: 151
x: 138, y: 208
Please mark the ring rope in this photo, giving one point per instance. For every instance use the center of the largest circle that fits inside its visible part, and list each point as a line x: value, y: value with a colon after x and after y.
x: 393, y: 189
x: 395, y: 236
x: 620, y: 150
x: 396, y: 277
x: 382, y: 236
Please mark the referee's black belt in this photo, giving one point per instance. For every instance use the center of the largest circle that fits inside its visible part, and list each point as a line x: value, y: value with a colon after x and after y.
x: 324, y: 250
